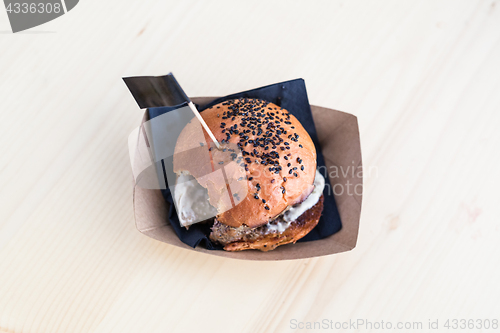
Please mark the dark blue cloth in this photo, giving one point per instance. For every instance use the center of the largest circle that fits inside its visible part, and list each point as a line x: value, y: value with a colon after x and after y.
x: 292, y: 96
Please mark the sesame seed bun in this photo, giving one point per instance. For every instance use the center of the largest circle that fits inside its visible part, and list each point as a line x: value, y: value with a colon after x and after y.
x: 278, y: 159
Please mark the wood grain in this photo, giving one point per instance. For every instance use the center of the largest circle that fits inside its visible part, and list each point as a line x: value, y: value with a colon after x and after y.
x: 422, y: 77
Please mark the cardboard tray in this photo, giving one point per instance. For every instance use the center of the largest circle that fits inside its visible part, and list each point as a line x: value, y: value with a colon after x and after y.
x: 338, y: 135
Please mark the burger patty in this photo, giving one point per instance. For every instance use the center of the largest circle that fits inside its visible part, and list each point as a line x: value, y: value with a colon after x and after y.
x: 265, y: 237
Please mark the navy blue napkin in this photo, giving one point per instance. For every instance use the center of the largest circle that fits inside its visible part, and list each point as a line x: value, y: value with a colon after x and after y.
x: 292, y: 96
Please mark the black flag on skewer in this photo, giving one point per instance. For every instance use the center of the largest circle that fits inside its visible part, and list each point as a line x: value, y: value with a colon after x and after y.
x: 156, y: 91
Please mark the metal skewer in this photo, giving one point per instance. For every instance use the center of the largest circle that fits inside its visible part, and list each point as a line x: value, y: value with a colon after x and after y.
x: 158, y: 91
x: 203, y: 123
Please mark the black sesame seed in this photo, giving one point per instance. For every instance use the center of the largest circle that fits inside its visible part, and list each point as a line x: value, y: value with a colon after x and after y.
x: 302, y: 168
x: 267, y: 208
x: 221, y: 162
x: 284, y: 179
x: 295, y: 174
x: 263, y: 201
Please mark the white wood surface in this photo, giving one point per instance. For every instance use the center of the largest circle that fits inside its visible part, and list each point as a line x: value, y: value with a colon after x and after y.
x: 423, y: 78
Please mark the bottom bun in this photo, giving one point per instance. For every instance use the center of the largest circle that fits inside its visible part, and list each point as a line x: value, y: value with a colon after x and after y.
x: 236, y: 239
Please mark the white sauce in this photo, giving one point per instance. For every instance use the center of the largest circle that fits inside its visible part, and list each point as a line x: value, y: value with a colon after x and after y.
x: 277, y: 225
x: 192, y: 201
x: 283, y: 222
x: 294, y: 212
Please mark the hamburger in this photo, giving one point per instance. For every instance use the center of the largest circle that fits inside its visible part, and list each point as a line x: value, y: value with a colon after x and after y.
x: 263, y: 190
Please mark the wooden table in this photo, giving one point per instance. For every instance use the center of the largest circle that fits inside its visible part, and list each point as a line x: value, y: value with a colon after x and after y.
x: 422, y: 77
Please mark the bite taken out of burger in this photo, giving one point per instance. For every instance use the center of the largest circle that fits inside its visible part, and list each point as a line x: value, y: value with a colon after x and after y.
x: 268, y: 191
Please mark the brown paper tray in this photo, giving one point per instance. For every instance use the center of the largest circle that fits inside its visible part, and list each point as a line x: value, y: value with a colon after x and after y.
x: 338, y: 136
